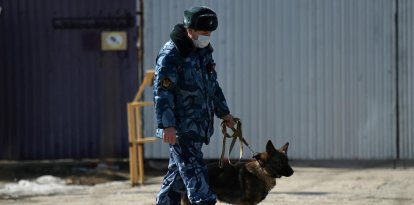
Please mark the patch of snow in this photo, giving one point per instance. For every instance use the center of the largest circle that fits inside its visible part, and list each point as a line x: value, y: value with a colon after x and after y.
x: 44, y: 185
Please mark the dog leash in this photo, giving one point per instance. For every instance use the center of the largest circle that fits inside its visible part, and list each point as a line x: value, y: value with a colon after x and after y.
x: 237, y: 134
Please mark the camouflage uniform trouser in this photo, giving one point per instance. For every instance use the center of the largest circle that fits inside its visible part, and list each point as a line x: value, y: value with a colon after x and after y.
x: 187, y: 173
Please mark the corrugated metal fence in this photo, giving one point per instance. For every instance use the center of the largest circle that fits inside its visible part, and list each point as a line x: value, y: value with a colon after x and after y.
x: 406, y: 77
x: 61, y: 96
x: 319, y: 74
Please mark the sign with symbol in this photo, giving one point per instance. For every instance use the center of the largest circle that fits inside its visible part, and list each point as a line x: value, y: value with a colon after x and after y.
x: 114, y: 40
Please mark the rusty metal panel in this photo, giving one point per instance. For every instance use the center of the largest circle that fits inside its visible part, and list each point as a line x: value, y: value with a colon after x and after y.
x: 62, y: 97
x: 317, y: 73
x: 406, y: 77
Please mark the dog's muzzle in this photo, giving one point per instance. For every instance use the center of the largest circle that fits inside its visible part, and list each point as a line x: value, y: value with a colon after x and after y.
x: 288, y: 172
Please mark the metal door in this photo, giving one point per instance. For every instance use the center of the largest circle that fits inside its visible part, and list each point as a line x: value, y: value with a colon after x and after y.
x: 62, y: 94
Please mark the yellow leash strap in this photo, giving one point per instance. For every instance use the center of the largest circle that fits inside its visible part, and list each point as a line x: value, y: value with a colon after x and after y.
x: 237, y: 134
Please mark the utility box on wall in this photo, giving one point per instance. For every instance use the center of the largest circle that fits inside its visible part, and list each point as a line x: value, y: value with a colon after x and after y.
x: 63, y: 95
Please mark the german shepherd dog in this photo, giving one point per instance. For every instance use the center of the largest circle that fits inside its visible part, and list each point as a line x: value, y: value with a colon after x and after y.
x: 248, y: 183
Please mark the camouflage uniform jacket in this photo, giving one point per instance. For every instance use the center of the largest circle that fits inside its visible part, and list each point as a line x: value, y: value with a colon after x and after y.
x: 186, y: 91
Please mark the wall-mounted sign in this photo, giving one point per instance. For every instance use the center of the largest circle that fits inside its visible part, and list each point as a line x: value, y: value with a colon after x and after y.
x: 114, y: 40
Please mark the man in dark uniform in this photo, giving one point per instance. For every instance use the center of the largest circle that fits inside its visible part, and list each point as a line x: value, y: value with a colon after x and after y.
x: 187, y: 96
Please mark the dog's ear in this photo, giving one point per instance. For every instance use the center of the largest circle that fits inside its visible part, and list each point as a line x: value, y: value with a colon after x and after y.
x: 284, y: 148
x: 269, y: 147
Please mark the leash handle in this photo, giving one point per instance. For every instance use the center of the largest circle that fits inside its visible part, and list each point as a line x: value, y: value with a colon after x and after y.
x: 237, y: 134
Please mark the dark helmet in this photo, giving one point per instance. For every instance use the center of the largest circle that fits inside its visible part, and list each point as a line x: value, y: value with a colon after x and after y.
x: 200, y: 18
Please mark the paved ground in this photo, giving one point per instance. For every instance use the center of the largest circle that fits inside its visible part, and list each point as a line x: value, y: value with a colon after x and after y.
x: 363, y: 183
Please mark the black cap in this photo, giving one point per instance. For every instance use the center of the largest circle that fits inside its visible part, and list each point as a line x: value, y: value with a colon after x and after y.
x: 200, y: 18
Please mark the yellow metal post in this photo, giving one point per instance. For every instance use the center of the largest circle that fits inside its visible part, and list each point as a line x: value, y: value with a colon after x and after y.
x: 132, y: 151
x: 136, y: 139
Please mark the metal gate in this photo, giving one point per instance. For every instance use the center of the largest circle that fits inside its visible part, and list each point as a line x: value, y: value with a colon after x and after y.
x: 68, y: 69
